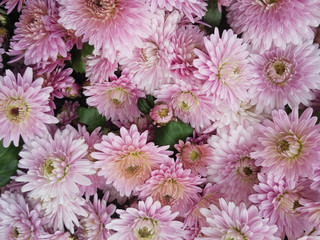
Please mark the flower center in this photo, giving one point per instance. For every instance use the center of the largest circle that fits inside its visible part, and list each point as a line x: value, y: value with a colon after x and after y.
x: 48, y: 167
x: 247, y: 170
x: 289, y: 146
x: 267, y: 4
x: 229, y: 72
x: 117, y: 96
x: 103, y: 9
x: 17, y: 110
x: 145, y: 234
x: 234, y: 234
x: 279, y: 71
x: 15, y: 232
x: 163, y: 112
x: 194, y: 155
x: 150, y: 54
x: 55, y: 169
x: 186, y: 101
x: 288, y: 202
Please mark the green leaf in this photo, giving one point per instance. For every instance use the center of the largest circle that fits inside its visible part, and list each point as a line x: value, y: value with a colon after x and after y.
x: 8, y: 162
x: 77, y: 61
x: 150, y: 100
x: 91, y: 117
x: 86, y: 49
x: 213, y: 16
x: 143, y: 106
x: 171, y: 133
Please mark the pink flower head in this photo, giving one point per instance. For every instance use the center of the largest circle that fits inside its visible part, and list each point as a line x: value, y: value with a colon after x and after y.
x: 232, y: 167
x: 281, y: 77
x: 228, y: 221
x: 311, y: 210
x: 116, y: 99
x: 148, y: 221
x: 174, y: 186
x: 189, y: 103
x: 56, y: 165
x: 109, y: 25
x: 192, y: 9
x: 11, y: 4
x: 288, y: 145
x: 224, y: 69
x: 128, y: 160
x: 280, y: 201
x: 267, y: 23
x: 17, y: 219
x: 181, y: 52
x: 38, y: 36
x: 194, y: 156
x: 93, y: 226
x: 161, y: 114
x: 149, y: 64
x: 99, y: 69
x: 23, y: 107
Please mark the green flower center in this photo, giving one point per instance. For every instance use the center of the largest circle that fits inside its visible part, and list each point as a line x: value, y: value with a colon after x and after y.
x: 145, y: 234
x: 194, y: 155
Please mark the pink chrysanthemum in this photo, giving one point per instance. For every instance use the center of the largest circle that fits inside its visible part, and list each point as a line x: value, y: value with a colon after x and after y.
x: 161, y: 114
x: 93, y: 226
x: 148, y: 221
x: 174, y: 186
x: 192, y: 9
x: 268, y: 22
x: 210, y: 195
x: 189, y: 103
x: 288, y: 146
x: 109, y: 25
x: 224, y: 69
x: 195, y: 157
x: 233, y: 169
x: 128, y: 160
x: 149, y: 64
x: 311, y: 210
x: 59, y: 80
x: 281, y: 77
x: 99, y: 69
x: 23, y: 107
x: 11, y: 4
x: 38, y: 36
x: 228, y: 221
x: 68, y: 112
x: 279, y: 201
x: 181, y: 52
x: 56, y: 165
x: 116, y: 100
x: 17, y: 219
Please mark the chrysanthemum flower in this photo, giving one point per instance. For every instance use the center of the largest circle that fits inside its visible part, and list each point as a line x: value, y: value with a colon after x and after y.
x: 149, y: 64
x: 38, y: 36
x: 56, y: 165
x: 288, y: 146
x: 268, y: 22
x: 109, y: 25
x: 279, y: 201
x: 224, y: 69
x: 228, y: 221
x: 281, y: 77
x: 23, y: 107
x: 192, y: 9
x: 232, y: 168
x: 11, y: 4
x: 194, y: 156
x: 128, y: 160
x: 189, y: 103
x: 93, y: 226
x: 18, y: 220
x: 148, y: 221
x: 116, y: 99
x: 181, y: 51
x: 99, y: 69
x: 161, y: 114
x: 210, y: 195
x: 174, y: 186
x: 311, y: 211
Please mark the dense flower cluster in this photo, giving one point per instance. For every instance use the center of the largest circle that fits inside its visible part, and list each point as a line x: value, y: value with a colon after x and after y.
x: 149, y: 120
